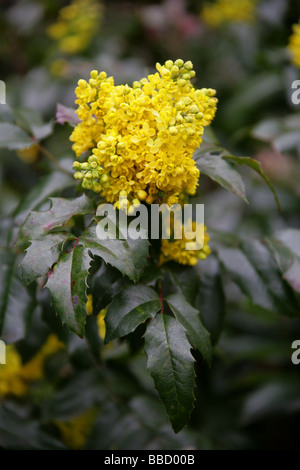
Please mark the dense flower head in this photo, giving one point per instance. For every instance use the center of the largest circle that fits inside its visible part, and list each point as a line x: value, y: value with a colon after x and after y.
x: 294, y: 44
x: 175, y: 249
x: 141, y: 139
x: 76, y: 25
x: 229, y: 11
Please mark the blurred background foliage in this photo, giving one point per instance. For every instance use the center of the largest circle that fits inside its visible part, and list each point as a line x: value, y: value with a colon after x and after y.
x: 64, y: 392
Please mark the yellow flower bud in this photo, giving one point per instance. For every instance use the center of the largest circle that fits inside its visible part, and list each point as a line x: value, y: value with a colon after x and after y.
x: 173, y: 130
x: 179, y: 63
x: 142, y: 195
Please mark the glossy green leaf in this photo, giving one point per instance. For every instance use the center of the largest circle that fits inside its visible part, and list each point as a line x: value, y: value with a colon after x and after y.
x: 131, y: 307
x: 42, y: 254
x: 222, y: 172
x: 189, y: 318
x: 128, y: 256
x: 172, y: 367
x: 67, y: 286
x: 40, y: 223
x: 180, y: 279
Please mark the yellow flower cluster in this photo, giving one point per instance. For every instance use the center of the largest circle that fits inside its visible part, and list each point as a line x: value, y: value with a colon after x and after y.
x: 229, y: 11
x: 294, y: 44
x: 76, y: 25
x: 142, y: 138
x: 175, y: 250
x: 15, y: 376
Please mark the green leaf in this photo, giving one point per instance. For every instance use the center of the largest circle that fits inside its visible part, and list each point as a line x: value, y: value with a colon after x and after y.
x: 16, y: 303
x: 251, y: 266
x: 286, y: 249
x: 42, y: 254
x: 128, y: 256
x: 129, y: 308
x: 67, y: 286
x: 31, y: 121
x: 38, y: 224
x: 222, y: 172
x: 171, y: 365
x: 189, y: 318
x: 13, y: 138
x: 255, y: 165
x: 210, y: 299
x: 180, y: 279
x: 50, y: 185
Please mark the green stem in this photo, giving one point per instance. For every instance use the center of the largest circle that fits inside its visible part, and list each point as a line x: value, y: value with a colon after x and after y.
x: 50, y: 157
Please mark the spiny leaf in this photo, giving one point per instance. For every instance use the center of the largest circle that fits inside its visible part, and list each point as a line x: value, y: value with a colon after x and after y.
x: 172, y: 367
x: 131, y: 307
x: 128, y: 256
x: 38, y: 224
x: 67, y: 286
x: 189, y: 318
x: 42, y: 254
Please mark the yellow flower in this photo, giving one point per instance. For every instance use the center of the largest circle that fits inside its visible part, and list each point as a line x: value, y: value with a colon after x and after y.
x: 15, y: 377
x: 76, y: 25
x: 142, y: 138
x: 34, y: 369
x: 175, y: 250
x: 229, y: 11
x: 75, y: 431
x: 29, y: 154
x: 89, y: 305
x: 101, y: 323
x: 294, y: 44
x: 11, y: 380
x: 59, y: 67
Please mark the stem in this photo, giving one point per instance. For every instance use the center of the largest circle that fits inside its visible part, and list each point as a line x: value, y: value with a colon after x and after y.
x: 161, y: 300
x: 53, y: 160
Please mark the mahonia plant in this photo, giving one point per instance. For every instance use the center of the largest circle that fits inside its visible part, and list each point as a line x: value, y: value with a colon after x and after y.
x: 136, y: 147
